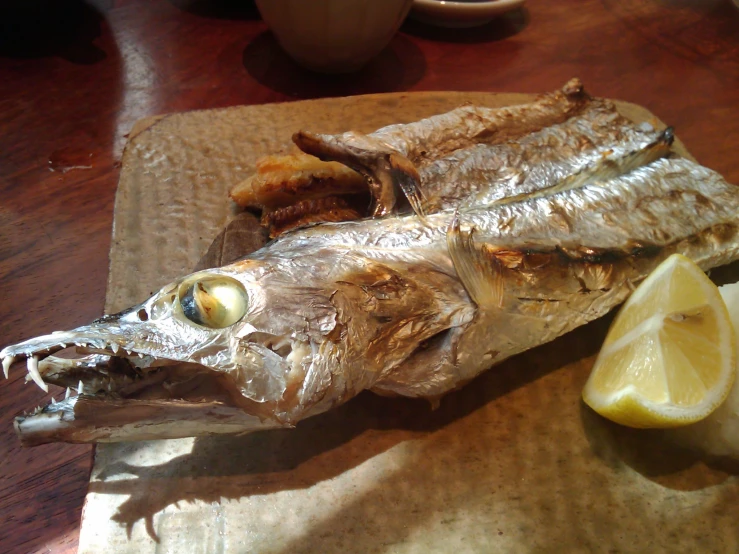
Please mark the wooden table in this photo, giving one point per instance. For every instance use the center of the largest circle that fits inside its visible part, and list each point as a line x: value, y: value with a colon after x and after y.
x: 75, y: 76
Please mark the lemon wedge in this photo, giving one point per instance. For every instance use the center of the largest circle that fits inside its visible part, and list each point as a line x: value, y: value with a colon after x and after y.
x: 669, y: 358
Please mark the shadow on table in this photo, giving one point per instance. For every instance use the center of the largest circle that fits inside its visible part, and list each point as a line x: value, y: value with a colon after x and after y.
x: 447, y: 460
x: 41, y: 28
x: 654, y: 454
x: 699, y: 31
x: 505, y: 26
x: 397, y: 68
x: 219, y: 9
x: 324, y: 446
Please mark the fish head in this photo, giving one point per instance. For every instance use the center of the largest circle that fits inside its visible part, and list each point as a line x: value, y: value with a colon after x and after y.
x: 220, y: 350
x: 264, y: 342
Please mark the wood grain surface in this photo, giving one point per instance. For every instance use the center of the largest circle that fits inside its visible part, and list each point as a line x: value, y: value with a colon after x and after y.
x: 76, y: 76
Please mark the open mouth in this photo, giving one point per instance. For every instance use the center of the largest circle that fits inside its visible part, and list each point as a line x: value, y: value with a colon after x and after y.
x: 113, y: 393
x: 183, y: 363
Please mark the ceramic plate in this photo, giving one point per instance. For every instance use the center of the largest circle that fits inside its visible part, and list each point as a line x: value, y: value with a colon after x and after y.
x: 461, y: 14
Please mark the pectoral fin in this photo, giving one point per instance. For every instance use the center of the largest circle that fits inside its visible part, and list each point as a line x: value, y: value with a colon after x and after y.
x: 405, y: 175
x: 384, y: 168
x: 480, y: 271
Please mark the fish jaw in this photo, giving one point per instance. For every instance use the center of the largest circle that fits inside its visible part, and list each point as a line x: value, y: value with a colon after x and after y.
x: 91, y: 418
x: 131, y: 388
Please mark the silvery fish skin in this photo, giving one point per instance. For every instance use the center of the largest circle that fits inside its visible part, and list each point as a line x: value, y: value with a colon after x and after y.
x: 598, y: 144
x: 406, y: 305
x: 391, y: 157
x: 395, y: 305
x: 566, y: 134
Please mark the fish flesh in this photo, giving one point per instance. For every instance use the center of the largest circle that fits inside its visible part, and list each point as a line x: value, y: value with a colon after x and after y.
x: 562, y: 223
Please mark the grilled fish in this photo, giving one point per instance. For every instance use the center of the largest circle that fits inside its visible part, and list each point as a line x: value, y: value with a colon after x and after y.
x: 400, y: 304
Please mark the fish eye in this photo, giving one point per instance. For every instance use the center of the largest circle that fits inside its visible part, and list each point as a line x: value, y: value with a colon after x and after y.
x: 213, y: 301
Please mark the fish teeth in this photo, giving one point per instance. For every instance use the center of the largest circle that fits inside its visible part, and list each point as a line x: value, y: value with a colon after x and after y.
x: 80, y: 387
x: 53, y: 401
x: 114, y: 347
x: 7, y: 362
x: 32, y: 364
x: 67, y: 393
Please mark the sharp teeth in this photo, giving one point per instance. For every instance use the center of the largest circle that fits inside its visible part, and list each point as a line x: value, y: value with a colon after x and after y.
x: 7, y: 362
x: 114, y: 347
x: 32, y: 363
x: 80, y: 387
x: 67, y: 393
x: 53, y: 401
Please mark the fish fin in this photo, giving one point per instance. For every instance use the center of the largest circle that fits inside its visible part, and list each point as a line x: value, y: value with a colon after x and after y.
x: 405, y: 175
x: 606, y: 168
x: 479, y: 270
x: 384, y: 168
x: 435, y: 401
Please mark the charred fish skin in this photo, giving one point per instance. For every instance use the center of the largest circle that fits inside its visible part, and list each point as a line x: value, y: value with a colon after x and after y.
x: 396, y: 305
x: 468, y: 157
x: 474, y: 156
x: 427, y: 139
x: 597, y: 146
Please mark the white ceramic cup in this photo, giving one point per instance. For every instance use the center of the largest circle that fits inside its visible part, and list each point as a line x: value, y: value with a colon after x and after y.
x: 333, y: 36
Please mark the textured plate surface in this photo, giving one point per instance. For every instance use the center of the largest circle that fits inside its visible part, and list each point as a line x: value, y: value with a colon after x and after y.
x: 512, y: 462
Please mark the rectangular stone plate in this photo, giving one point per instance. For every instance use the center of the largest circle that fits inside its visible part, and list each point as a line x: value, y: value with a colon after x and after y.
x: 513, y: 462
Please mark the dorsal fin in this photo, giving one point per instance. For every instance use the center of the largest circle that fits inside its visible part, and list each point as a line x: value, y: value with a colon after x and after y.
x: 495, y: 276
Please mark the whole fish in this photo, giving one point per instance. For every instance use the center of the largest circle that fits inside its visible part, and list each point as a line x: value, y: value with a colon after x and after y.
x: 403, y: 305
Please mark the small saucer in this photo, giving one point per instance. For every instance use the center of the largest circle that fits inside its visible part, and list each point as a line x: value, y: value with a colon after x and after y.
x: 461, y: 14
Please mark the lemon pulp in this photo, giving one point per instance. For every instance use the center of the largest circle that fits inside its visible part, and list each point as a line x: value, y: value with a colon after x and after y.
x: 669, y: 358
